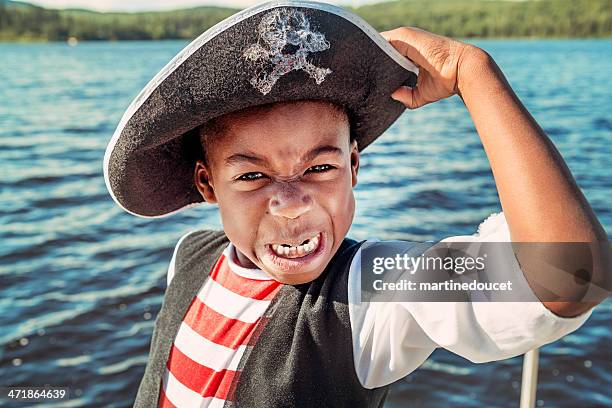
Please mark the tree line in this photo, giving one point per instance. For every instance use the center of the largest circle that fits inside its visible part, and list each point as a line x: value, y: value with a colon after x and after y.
x: 456, y: 18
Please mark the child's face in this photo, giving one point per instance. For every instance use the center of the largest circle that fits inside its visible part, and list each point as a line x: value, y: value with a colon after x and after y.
x: 281, y: 178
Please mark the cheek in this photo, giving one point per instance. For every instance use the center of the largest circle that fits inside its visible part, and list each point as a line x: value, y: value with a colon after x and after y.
x: 339, y: 201
x: 240, y: 215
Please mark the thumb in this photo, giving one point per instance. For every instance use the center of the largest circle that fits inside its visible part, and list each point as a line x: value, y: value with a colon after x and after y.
x: 410, y: 97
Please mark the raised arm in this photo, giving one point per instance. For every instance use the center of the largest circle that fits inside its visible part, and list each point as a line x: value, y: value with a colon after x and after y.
x: 538, y: 194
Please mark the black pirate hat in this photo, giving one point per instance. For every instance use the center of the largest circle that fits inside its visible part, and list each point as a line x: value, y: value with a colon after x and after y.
x: 272, y: 52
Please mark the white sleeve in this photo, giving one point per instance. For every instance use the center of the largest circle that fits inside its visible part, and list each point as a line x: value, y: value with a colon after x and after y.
x: 173, y: 260
x: 392, y: 339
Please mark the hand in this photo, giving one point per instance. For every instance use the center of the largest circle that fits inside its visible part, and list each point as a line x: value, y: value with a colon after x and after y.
x: 439, y: 60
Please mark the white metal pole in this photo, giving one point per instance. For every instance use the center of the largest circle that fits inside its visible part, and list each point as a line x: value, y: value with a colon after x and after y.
x: 530, y: 378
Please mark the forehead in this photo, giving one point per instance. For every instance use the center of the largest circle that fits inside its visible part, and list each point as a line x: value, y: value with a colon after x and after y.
x: 286, y: 131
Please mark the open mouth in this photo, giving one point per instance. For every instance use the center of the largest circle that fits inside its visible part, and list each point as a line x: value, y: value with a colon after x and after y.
x: 289, y: 251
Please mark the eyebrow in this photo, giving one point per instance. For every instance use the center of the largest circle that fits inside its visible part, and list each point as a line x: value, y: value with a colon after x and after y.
x: 249, y: 157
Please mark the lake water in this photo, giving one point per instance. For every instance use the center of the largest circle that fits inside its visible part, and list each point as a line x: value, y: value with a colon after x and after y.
x: 81, y: 281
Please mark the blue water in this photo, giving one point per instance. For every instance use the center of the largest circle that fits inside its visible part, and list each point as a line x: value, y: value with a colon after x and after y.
x: 81, y: 281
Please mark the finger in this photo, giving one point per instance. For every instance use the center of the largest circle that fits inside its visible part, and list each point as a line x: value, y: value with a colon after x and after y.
x: 409, y: 41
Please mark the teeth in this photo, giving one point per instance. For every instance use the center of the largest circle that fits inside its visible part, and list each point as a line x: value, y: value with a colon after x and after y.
x: 297, y: 251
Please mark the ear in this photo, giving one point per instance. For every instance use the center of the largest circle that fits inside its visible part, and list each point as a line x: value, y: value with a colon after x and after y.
x: 354, y: 162
x: 203, y: 182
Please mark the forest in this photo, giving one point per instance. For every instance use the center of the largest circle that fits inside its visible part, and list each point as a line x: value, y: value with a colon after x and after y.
x: 456, y: 18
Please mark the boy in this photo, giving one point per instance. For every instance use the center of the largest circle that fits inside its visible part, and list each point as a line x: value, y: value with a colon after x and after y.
x: 267, y: 312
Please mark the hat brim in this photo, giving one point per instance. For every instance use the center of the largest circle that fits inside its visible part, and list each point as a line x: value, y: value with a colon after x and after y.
x: 146, y: 169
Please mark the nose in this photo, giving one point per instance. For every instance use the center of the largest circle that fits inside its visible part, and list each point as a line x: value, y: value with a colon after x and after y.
x: 290, y: 201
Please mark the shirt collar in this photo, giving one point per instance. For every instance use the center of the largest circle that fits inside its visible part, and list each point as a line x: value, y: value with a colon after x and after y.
x: 232, y: 261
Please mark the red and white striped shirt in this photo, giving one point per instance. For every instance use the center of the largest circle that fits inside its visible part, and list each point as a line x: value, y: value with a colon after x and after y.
x: 215, y: 333
x: 390, y: 339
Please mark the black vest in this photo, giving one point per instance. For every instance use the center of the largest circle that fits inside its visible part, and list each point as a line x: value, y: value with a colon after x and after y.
x: 302, y: 351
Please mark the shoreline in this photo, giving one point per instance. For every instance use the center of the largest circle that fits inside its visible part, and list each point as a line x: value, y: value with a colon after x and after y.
x: 518, y: 38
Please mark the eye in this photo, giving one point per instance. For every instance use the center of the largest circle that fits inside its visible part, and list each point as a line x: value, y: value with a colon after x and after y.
x: 250, y: 176
x: 320, y: 168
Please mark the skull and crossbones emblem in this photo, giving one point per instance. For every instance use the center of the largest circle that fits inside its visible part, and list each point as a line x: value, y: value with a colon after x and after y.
x: 285, y: 39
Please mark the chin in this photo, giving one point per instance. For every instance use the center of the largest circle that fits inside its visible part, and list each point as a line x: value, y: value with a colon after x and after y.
x: 297, y: 279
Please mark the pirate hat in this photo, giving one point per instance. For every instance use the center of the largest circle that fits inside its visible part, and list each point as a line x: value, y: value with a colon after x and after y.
x: 276, y: 51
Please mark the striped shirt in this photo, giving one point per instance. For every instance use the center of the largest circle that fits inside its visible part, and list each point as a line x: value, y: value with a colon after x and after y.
x: 215, y: 333
x: 390, y: 339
